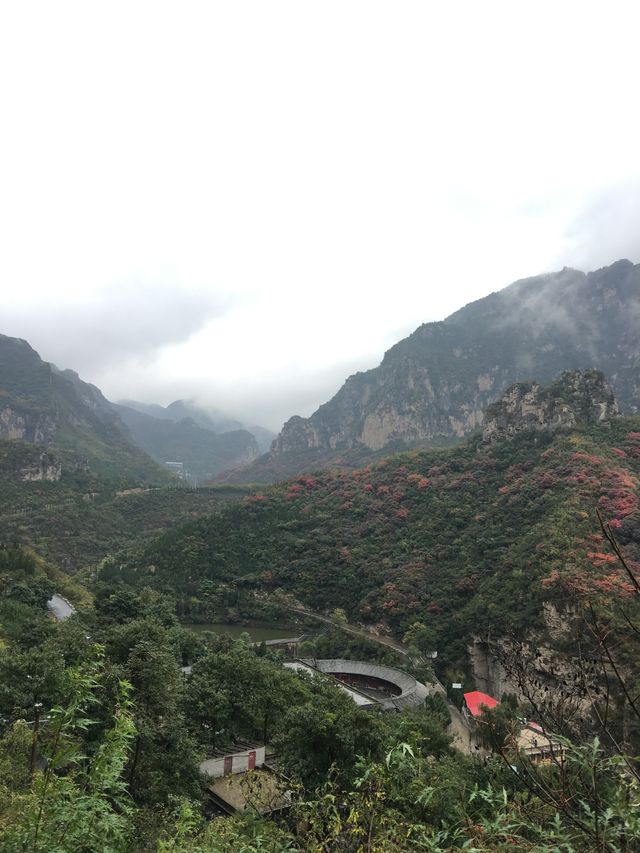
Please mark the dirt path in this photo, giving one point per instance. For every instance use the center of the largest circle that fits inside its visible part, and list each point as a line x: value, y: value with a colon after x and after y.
x: 459, y: 730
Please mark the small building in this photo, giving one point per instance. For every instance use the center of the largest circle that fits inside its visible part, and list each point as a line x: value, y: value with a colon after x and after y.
x: 60, y: 608
x: 238, y: 758
x: 260, y: 789
x: 238, y: 778
x: 538, y: 746
x: 176, y: 468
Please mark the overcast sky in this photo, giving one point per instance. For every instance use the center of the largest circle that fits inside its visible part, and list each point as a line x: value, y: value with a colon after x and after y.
x: 248, y: 201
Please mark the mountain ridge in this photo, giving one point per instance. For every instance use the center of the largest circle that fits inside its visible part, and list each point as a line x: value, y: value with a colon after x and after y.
x: 432, y: 387
x: 43, y: 405
x: 476, y: 538
x: 205, y: 417
x: 203, y: 452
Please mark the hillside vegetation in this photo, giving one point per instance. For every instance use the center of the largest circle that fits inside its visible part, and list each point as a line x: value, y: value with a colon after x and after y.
x: 76, y: 518
x: 466, y: 540
x: 55, y: 409
x: 101, y: 736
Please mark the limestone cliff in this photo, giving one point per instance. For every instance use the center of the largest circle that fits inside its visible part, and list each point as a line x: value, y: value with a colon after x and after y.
x: 558, y: 683
x: 577, y: 398
x: 35, y: 427
x: 46, y: 468
x: 433, y: 387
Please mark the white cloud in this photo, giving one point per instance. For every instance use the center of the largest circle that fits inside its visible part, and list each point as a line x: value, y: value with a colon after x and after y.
x: 284, y: 189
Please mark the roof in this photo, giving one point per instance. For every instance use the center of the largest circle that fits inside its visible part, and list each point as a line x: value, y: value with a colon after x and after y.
x: 240, y: 747
x: 411, y: 693
x: 359, y: 698
x: 477, y: 702
x: 260, y: 789
x: 535, y: 741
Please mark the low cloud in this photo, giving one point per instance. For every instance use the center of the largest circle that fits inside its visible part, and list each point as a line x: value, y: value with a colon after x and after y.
x: 115, y: 326
x: 606, y: 229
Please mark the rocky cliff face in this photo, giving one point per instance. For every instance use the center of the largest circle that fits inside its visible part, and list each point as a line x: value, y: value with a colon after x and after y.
x: 47, y: 468
x: 558, y: 684
x: 26, y: 426
x: 434, y: 386
x: 576, y: 398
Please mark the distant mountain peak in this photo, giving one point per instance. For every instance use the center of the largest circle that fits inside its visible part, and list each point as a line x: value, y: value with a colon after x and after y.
x: 433, y: 387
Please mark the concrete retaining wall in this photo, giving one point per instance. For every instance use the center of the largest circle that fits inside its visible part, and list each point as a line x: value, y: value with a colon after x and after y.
x: 412, y: 692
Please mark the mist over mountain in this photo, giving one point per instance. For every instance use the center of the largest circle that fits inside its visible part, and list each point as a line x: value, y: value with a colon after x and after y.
x: 432, y: 387
x: 410, y: 620
x: 202, y: 452
x: 206, y: 440
x: 44, y: 405
x: 210, y: 419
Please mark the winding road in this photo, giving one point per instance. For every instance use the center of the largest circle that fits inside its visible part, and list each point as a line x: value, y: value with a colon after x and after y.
x: 351, y: 629
x: 60, y: 607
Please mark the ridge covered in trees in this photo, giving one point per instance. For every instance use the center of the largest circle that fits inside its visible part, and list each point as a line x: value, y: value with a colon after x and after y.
x: 469, y: 540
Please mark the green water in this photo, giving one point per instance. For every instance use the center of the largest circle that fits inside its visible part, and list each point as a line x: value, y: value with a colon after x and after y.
x: 257, y: 633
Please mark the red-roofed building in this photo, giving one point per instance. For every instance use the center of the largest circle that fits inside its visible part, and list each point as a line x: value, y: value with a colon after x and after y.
x: 476, y: 702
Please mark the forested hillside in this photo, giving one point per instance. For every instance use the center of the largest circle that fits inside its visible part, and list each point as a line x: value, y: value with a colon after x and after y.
x: 467, y: 540
x: 52, y: 502
x: 101, y: 731
x: 55, y: 409
x: 101, y: 735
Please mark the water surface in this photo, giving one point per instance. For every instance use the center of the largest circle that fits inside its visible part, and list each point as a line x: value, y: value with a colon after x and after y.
x: 256, y: 632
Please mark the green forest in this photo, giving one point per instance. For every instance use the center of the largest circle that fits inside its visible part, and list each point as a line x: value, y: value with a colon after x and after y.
x: 102, y: 732
x: 470, y: 540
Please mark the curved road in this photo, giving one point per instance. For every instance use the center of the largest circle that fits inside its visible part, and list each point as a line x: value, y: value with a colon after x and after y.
x: 351, y: 629
x: 396, y: 645
x: 60, y: 607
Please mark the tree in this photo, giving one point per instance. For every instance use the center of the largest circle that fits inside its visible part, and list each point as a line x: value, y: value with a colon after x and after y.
x: 77, y: 802
x: 234, y: 692
x: 27, y: 677
x: 420, y: 637
x: 327, y: 731
x: 164, y: 759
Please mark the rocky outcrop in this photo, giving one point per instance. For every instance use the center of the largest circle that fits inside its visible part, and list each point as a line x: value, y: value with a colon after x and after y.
x: 249, y: 454
x: 575, y: 399
x: 25, y: 426
x: 47, y: 468
x: 434, y: 386
x: 556, y: 683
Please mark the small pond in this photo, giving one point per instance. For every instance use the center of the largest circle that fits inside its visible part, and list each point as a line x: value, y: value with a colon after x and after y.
x: 256, y: 632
